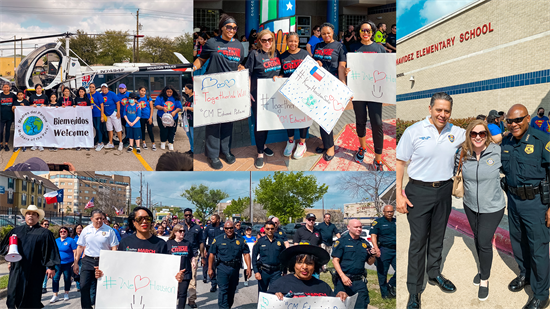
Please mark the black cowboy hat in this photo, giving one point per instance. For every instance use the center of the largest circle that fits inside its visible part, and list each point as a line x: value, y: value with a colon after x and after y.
x: 289, y: 254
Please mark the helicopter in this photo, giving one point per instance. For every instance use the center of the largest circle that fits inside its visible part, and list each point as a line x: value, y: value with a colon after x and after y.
x: 52, y: 66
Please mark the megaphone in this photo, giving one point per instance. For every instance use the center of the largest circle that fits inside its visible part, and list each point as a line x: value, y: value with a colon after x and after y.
x: 13, y: 255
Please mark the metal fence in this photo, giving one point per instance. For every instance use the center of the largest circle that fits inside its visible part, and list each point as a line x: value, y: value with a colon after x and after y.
x: 13, y: 217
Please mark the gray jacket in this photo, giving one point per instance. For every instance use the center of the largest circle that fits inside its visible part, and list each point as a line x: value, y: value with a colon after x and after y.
x: 482, y: 192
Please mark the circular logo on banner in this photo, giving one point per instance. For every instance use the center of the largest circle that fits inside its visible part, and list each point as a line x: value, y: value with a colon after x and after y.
x: 32, y: 125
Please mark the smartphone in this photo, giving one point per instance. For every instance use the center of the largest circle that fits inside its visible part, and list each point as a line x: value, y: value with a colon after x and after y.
x: 58, y: 167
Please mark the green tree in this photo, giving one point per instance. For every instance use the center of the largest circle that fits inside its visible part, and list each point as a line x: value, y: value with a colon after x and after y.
x: 288, y: 194
x: 113, y: 47
x: 157, y: 49
x: 184, y: 45
x: 204, y: 199
x: 84, y: 46
x: 237, y: 206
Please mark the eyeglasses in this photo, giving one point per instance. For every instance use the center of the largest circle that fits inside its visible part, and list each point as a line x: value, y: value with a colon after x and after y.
x: 269, y: 229
x: 231, y: 28
x: 516, y: 120
x: 147, y: 219
x: 365, y: 31
x: 228, y: 228
x: 266, y: 41
x: 481, y: 134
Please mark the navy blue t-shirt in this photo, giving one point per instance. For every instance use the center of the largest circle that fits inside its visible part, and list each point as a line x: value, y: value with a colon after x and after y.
x: 330, y: 55
x: 260, y: 65
x: 225, y: 56
x: 39, y: 100
x: 290, y: 62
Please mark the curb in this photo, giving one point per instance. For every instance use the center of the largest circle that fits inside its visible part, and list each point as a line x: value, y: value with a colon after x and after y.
x: 458, y: 221
x: 3, y: 293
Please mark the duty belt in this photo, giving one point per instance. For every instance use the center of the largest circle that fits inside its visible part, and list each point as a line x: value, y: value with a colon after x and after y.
x: 267, y: 267
x: 435, y: 184
x: 354, y: 277
x: 524, y: 191
x: 234, y: 263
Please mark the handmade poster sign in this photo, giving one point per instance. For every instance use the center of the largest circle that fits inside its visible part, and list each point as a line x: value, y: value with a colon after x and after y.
x: 250, y: 246
x: 221, y: 97
x: 270, y: 301
x: 129, y: 280
x: 317, y: 93
x: 275, y: 112
x: 372, y: 77
x: 67, y: 127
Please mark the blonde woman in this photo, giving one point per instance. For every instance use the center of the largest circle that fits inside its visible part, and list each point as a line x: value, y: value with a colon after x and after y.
x: 181, y: 247
x: 262, y: 62
x: 483, y: 198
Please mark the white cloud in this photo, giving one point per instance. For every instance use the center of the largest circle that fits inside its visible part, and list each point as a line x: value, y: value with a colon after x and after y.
x: 434, y: 9
x: 404, y: 6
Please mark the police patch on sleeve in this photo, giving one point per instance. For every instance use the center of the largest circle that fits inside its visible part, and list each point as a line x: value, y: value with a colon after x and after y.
x: 374, y: 223
x: 547, y: 147
x: 213, y: 242
x: 336, y: 244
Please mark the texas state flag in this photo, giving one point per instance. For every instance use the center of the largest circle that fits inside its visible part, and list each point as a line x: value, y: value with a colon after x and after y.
x: 54, y: 197
x: 315, y: 72
x: 287, y: 8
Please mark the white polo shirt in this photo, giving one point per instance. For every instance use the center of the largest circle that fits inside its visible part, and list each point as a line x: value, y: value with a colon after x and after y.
x: 431, y: 153
x: 96, y: 240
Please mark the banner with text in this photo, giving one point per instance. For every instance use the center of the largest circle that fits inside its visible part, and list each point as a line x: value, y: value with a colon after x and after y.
x: 317, y: 93
x: 67, y: 127
x: 372, y: 77
x: 221, y: 97
x: 270, y: 301
x: 128, y: 281
x: 275, y: 112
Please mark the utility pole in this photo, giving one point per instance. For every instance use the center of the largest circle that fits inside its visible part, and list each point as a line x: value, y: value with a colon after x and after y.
x: 251, y: 207
x: 150, y: 200
x: 323, y: 207
x: 137, y: 37
x: 14, y: 54
x: 21, y: 55
x: 147, y: 197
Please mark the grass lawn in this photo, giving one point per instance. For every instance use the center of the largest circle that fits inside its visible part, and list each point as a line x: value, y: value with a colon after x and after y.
x: 4, y: 282
x: 376, y: 299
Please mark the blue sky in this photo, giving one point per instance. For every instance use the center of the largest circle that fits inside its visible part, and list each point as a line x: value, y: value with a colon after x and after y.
x: 415, y: 14
x: 166, y: 187
x: 28, y: 18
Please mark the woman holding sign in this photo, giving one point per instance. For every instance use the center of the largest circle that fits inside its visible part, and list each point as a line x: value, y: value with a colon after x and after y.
x: 366, y: 45
x: 331, y: 55
x: 225, y: 54
x: 290, y: 60
x: 262, y: 62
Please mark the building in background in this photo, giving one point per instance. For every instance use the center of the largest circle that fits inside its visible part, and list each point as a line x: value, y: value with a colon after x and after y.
x: 476, y: 56
x: 336, y: 215
x: 366, y: 212
x: 21, y: 189
x: 80, y: 187
x: 6, y: 65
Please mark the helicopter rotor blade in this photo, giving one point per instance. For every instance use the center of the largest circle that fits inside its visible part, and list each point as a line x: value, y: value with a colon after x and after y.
x: 66, y: 34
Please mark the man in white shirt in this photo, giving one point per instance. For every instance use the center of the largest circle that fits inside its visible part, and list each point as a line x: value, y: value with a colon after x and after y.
x: 430, y: 146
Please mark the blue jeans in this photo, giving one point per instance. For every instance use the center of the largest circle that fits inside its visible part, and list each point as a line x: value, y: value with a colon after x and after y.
x: 190, y: 136
x: 79, y: 269
x: 45, y: 283
x: 67, y: 272
x: 97, y: 126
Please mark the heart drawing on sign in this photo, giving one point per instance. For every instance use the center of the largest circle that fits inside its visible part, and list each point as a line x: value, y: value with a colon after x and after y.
x: 141, y: 282
x: 378, y: 76
x: 208, y: 82
x: 230, y: 83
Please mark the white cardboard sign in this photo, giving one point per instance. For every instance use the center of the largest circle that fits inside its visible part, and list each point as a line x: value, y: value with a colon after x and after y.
x: 62, y: 127
x: 221, y: 98
x: 275, y: 112
x: 137, y: 280
x: 317, y: 93
x: 270, y: 301
x: 372, y: 77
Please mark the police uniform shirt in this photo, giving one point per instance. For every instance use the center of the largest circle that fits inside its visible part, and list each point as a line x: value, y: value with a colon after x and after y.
x: 239, y: 232
x: 327, y: 231
x: 193, y: 234
x: 522, y: 160
x: 96, y: 240
x: 385, y: 231
x: 227, y: 249
x: 353, y: 253
x: 303, y: 235
x: 268, y: 250
x: 431, y: 153
x: 280, y: 233
x: 210, y: 232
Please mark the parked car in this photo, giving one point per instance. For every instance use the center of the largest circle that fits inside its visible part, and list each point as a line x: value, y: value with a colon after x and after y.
x: 256, y: 229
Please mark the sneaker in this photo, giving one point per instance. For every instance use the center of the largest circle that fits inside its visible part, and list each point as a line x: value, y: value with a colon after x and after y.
x: 54, y: 149
x: 87, y: 149
x: 15, y: 149
x: 40, y: 148
x: 477, y: 279
x: 483, y: 292
x: 170, y: 146
x: 54, y: 299
x: 259, y: 163
x: 66, y: 297
x: 33, y: 148
x: 378, y: 166
x: 215, y: 163
x: 44, y: 290
x: 24, y: 149
x: 288, y: 149
x: 138, y: 151
x: 229, y: 158
x: 162, y: 146
x: 154, y: 147
x: 144, y: 145
x: 130, y: 148
x: 99, y: 147
x: 246, y: 283
x: 120, y: 146
x: 109, y: 146
x: 300, y: 150
x: 268, y: 152
x: 78, y: 148
x: 360, y: 155
x: 6, y: 147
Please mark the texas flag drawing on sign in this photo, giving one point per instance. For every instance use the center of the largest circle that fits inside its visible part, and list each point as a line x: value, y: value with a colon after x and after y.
x: 315, y: 72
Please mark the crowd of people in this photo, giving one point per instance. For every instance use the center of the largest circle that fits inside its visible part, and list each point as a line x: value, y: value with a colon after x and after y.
x: 328, y: 52
x: 477, y: 156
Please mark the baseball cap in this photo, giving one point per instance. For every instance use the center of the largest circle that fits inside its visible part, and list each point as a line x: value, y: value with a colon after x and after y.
x: 310, y: 215
x: 104, y: 85
x: 262, y: 230
x: 248, y: 228
x: 32, y: 164
x: 493, y: 113
x: 122, y: 86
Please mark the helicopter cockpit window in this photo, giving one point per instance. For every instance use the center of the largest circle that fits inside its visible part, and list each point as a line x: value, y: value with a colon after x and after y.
x: 45, y: 70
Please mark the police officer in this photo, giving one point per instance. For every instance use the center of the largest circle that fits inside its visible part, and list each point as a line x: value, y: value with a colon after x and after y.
x: 193, y: 234
x: 267, y: 268
x: 383, y: 241
x: 210, y: 232
x: 279, y: 232
x: 308, y: 233
x: 327, y: 229
x: 349, y: 255
x: 525, y: 159
x: 229, y: 250
x: 238, y: 229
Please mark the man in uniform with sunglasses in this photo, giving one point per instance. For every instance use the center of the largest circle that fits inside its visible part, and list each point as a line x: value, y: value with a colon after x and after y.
x: 229, y: 250
x: 525, y: 160
x: 193, y: 234
x: 265, y: 257
x: 430, y: 146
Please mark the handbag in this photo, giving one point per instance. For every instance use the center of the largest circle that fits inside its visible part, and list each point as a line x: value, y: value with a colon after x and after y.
x: 458, y: 181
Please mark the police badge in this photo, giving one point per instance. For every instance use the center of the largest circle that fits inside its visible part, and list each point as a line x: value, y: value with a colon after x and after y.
x: 364, y: 245
x: 451, y: 138
x: 529, y: 149
x: 238, y: 243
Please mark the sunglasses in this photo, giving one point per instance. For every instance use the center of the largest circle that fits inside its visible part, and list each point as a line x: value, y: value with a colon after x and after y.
x: 365, y: 31
x: 266, y: 41
x: 311, y: 219
x: 180, y: 231
x: 231, y: 28
x: 228, y: 228
x: 46, y: 225
x: 188, y: 215
x: 269, y: 229
x: 516, y: 120
x: 147, y: 218
x: 63, y: 231
x: 481, y: 134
